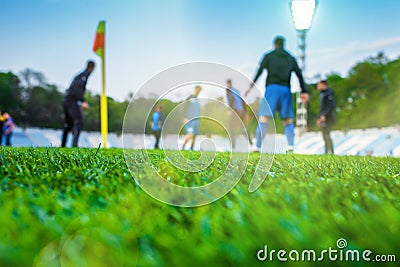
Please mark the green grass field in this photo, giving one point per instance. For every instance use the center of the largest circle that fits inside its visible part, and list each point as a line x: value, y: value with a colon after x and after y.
x: 67, y: 207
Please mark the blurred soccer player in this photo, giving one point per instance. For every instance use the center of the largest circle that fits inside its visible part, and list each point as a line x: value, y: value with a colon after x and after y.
x: 279, y: 65
x: 192, y: 121
x: 237, y: 104
x: 8, y: 127
x: 73, y: 103
x: 1, y: 127
x: 157, y: 120
x: 326, y: 118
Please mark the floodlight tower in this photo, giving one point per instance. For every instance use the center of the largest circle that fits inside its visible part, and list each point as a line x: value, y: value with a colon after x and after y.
x: 302, y: 14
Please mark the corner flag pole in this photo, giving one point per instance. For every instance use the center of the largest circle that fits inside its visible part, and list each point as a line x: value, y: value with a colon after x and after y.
x: 99, y: 49
x: 103, y: 104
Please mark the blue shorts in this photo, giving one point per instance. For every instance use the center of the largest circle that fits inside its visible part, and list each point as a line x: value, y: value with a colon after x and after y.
x: 277, y: 97
x: 193, y: 127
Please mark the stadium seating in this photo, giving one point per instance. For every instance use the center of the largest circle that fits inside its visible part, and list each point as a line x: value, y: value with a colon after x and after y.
x: 19, y: 138
x: 54, y: 136
x: 113, y: 140
x: 376, y: 142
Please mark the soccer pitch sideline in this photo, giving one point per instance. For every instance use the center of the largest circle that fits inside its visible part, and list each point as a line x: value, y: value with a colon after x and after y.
x: 81, y: 207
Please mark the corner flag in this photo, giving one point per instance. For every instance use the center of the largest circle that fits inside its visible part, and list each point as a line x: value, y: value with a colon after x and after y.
x: 99, y: 49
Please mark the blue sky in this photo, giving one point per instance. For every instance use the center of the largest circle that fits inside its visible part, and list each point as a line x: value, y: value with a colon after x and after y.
x: 146, y: 36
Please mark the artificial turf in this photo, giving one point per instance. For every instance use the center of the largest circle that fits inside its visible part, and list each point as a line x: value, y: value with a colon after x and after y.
x: 81, y: 207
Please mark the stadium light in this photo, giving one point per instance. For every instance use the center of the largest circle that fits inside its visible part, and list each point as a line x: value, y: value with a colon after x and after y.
x: 302, y: 14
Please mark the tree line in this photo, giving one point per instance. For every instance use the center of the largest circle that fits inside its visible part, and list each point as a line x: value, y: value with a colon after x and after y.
x: 368, y: 97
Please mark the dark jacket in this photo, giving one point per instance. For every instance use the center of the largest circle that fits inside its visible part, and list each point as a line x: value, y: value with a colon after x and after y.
x: 327, y: 105
x: 280, y: 64
x: 77, y: 89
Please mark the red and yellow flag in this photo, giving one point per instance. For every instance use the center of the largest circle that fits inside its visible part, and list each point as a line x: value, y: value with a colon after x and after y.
x: 99, y: 40
x: 98, y: 48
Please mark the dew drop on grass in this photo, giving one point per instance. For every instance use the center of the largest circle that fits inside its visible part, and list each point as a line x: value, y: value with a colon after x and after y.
x: 229, y: 204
